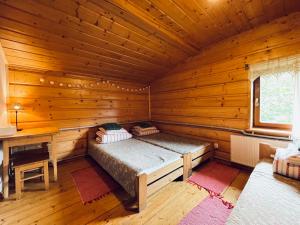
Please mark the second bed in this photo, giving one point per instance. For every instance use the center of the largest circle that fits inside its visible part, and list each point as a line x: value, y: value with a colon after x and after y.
x: 193, y: 151
x: 139, y: 167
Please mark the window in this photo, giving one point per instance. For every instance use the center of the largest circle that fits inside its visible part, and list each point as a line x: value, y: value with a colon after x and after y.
x: 273, y: 100
x: 276, y: 93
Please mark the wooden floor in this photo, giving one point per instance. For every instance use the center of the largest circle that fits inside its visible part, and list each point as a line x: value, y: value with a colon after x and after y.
x: 62, y: 204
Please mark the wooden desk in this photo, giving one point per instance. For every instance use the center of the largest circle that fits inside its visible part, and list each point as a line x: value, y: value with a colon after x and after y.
x: 27, y: 137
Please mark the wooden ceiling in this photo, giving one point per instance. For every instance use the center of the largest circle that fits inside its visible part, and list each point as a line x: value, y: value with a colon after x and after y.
x: 135, y: 40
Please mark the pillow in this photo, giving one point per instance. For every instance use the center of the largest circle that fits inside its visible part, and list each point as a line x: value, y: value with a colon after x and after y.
x: 110, y: 138
x: 283, y: 164
x: 145, y: 133
x: 144, y: 124
x: 138, y: 128
x: 111, y: 126
x: 103, y: 131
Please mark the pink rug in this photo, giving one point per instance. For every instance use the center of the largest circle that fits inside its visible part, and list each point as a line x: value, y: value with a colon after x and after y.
x: 93, y: 183
x: 210, y: 211
x: 214, y: 177
x: 213, y: 210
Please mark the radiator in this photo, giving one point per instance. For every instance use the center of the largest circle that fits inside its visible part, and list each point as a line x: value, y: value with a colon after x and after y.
x: 245, y: 149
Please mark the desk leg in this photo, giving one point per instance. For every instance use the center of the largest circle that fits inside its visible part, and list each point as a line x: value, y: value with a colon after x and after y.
x: 5, y: 169
x: 54, y: 157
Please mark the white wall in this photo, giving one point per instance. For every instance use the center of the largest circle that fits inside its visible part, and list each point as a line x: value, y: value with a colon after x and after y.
x: 4, y: 121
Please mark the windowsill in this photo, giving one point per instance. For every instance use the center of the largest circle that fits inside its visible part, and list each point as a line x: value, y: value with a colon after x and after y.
x: 270, y: 132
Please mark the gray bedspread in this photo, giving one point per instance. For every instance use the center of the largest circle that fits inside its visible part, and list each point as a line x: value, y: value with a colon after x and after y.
x: 179, y: 144
x: 267, y: 199
x: 124, y: 160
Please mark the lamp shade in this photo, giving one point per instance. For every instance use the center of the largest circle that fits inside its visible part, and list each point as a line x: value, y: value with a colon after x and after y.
x: 17, y: 106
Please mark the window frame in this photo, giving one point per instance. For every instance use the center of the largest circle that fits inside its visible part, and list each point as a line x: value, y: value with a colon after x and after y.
x: 256, y: 111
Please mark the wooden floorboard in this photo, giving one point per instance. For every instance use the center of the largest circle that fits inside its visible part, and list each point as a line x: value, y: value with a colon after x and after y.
x: 62, y: 204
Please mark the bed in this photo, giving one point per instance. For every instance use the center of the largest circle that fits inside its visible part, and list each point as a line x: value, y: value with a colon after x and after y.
x: 267, y: 198
x: 194, y: 151
x: 139, y: 167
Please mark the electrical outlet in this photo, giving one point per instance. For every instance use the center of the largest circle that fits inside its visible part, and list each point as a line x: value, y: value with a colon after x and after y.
x: 216, y: 145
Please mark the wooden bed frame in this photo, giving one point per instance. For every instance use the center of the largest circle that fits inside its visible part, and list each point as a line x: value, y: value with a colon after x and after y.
x: 147, y: 184
x: 191, y: 160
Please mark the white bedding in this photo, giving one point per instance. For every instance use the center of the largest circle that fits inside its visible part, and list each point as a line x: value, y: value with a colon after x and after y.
x: 124, y: 160
x: 267, y: 199
x: 174, y: 143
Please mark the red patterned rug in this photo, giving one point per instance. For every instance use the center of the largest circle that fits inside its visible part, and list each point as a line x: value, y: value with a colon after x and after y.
x: 93, y: 183
x: 214, y: 177
x: 210, y: 211
x: 213, y: 210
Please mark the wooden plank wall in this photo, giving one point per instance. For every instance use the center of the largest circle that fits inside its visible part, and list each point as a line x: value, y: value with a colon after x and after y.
x: 212, y: 88
x: 68, y: 101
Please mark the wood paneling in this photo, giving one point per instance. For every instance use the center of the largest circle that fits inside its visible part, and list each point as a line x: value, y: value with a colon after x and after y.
x: 213, y: 89
x: 76, y: 43
x: 67, y: 101
x: 136, y: 40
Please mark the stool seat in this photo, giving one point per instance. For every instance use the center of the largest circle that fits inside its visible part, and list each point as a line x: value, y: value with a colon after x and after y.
x: 30, y: 156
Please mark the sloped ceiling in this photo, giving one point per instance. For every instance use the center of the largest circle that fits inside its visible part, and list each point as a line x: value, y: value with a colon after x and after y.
x: 135, y: 40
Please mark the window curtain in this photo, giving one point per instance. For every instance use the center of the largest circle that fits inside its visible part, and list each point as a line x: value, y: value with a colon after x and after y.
x: 279, y: 67
x: 296, y: 116
x: 275, y: 67
x: 4, y: 122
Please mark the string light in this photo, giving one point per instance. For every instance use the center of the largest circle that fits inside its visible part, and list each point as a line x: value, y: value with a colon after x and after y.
x: 97, y: 83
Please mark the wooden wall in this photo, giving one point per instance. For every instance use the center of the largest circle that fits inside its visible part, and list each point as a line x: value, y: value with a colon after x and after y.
x: 137, y: 40
x: 213, y: 89
x: 69, y: 101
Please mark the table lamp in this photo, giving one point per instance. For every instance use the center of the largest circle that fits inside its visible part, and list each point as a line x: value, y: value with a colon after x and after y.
x: 17, y: 107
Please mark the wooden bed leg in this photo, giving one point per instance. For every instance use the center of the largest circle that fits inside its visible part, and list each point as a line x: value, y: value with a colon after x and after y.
x: 187, y: 165
x: 142, y: 192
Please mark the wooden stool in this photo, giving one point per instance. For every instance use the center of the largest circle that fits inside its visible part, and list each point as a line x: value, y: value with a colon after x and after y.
x: 29, y: 161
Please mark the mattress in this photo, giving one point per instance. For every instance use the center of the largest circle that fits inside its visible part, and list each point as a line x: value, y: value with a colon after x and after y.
x: 178, y: 144
x: 124, y: 160
x: 267, y: 199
